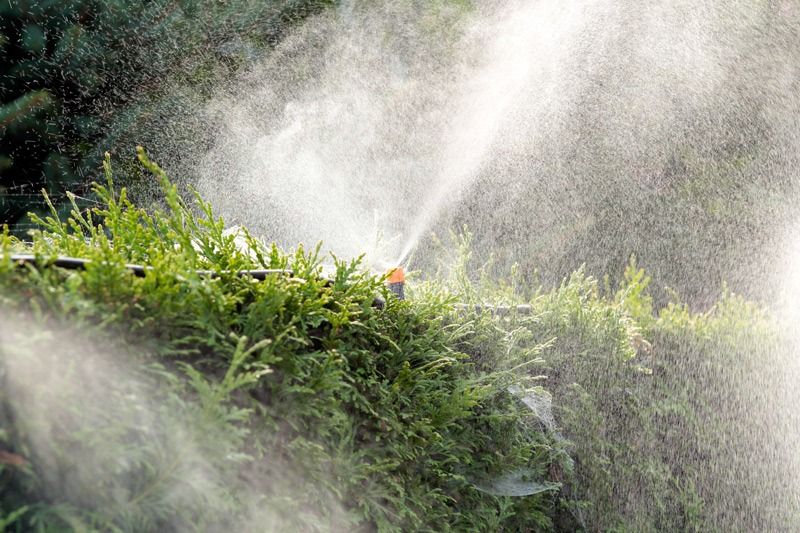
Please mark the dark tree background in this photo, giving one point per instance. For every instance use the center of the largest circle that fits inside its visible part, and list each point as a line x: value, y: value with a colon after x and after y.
x: 75, y: 75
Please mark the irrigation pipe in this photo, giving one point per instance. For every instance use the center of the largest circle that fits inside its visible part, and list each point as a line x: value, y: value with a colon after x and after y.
x: 396, y: 281
x: 76, y: 263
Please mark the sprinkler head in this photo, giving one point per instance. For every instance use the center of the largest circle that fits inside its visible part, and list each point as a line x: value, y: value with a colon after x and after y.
x: 397, y: 282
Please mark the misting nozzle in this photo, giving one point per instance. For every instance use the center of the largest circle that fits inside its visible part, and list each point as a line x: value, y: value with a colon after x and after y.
x: 397, y: 282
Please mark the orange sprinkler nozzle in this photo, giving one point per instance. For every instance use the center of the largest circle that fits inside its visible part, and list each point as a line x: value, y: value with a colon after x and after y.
x: 397, y: 281
x: 397, y: 275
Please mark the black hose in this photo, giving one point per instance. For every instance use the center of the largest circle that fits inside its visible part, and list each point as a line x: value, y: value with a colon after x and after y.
x: 76, y: 263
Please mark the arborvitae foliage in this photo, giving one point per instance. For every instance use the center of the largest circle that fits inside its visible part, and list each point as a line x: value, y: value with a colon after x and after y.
x: 70, y: 68
x: 677, y: 420
x: 289, y: 404
x: 181, y: 401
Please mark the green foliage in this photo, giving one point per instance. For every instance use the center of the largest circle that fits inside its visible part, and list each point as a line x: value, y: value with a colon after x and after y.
x: 213, y: 402
x: 723, y: 374
x: 182, y: 401
x: 665, y: 409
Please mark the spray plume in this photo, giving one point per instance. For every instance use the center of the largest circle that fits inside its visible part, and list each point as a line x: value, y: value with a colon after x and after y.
x: 99, y: 425
x: 561, y: 134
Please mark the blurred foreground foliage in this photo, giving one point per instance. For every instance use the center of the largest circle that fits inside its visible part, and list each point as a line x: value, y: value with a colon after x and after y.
x: 81, y: 73
x: 176, y: 402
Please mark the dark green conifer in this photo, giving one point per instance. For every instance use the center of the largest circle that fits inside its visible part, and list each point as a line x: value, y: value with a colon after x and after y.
x: 69, y: 68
